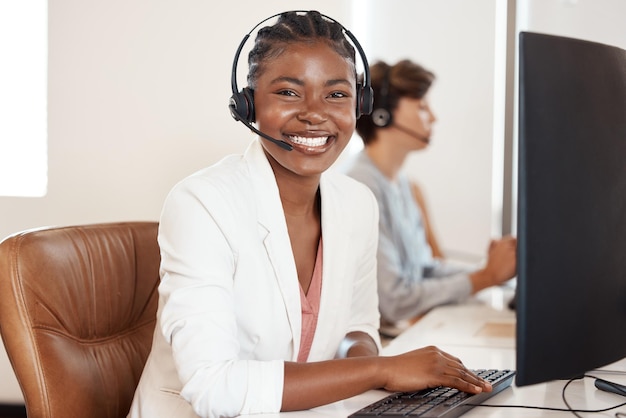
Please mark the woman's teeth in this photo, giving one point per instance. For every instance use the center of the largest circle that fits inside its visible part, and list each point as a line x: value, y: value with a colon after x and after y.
x: 309, y: 142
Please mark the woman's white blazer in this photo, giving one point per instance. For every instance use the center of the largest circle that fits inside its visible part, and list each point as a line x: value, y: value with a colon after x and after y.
x: 229, y: 312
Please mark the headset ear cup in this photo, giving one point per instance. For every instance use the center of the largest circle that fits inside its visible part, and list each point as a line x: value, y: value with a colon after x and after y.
x: 381, y: 117
x: 365, y: 99
x: 238, y: 107
x: 241, y: 105
x: 248, y: 93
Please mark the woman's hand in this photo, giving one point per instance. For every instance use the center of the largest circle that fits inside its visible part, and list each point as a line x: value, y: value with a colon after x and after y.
x: 429, y: 367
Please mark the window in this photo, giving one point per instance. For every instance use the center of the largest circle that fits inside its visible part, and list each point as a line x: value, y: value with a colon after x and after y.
x: 23, y: 97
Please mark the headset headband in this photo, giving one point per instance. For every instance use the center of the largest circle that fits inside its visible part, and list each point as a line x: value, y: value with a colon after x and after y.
x: 366, y: 70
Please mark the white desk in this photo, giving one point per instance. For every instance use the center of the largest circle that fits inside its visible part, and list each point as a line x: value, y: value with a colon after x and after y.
x: 482, y: 335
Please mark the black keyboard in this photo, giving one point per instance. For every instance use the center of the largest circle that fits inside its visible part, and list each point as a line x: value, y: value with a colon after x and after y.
x: 441, y: 402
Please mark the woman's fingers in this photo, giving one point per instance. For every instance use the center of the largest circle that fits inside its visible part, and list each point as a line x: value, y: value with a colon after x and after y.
x: 431, y: 367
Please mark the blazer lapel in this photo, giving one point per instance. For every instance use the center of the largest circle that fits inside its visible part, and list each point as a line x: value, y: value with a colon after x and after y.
x: 273, y: 226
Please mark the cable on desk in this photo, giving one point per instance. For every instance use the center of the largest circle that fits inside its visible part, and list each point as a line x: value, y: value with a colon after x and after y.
x: 568, y: 409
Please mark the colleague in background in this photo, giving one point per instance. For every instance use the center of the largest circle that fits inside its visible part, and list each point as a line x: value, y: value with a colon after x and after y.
x: 413, y: 275
x: 267, y: 300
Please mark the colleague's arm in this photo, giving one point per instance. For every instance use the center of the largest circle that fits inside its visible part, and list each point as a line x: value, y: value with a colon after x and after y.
x: 431, y: 238
x: 501, y: 256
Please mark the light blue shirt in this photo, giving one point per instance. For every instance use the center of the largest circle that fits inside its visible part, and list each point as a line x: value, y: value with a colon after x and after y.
x: 410, y: 280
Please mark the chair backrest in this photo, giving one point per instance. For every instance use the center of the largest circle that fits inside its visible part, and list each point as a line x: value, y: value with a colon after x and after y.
x: 77, y: 314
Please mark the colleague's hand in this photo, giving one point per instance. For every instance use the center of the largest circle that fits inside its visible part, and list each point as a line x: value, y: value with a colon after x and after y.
x: 430, y: 367
x: 501, y: 259
x: 501, y: 264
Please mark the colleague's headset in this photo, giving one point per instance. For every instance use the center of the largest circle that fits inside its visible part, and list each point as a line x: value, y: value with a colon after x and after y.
x: 241, y: 103
x: 381, y: 116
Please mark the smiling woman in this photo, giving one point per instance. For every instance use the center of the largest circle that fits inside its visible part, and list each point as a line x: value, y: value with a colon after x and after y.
x: 265, y: 304
x: 23, y: 51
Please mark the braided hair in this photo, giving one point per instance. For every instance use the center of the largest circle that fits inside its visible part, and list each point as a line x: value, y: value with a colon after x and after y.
x: 290, y: 28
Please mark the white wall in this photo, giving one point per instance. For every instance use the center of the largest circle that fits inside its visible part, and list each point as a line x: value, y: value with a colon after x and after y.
x: 594, y: 20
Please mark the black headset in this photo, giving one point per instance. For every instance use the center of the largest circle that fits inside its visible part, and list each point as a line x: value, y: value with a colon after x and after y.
x: 241, y: 103
x: 381, y: 116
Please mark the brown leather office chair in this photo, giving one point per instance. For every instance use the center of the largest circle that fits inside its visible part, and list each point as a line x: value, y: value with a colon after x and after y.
x: 77, y: 314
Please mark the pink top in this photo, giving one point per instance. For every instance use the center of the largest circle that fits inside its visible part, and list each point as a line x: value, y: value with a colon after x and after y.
x: 310, y: 307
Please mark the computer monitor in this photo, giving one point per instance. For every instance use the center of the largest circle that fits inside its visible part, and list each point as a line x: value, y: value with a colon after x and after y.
x: 571, y: 284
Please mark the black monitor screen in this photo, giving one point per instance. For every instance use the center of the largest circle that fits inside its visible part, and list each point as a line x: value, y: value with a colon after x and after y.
x: 571, y: 294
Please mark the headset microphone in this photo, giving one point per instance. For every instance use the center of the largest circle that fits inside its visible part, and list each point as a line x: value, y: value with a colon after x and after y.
x: 282, y: 144
x: 241, y: 103
x: 424, y: 139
